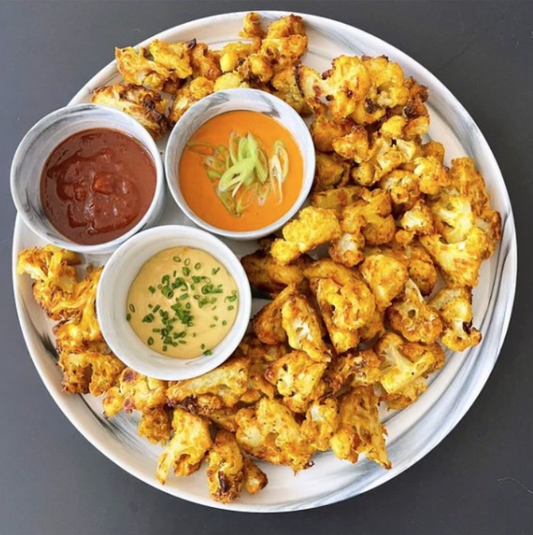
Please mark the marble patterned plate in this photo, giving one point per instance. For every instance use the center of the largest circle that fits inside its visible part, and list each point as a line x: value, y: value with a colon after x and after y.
x: 414, y: 431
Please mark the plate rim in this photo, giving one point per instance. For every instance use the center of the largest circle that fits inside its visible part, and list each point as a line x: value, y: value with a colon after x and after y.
x: 511, y: 263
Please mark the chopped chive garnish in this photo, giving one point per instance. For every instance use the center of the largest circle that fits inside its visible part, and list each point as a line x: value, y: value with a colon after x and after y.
x: 176, y: 259
x: 212, y: 325
x: 148, y: 318
x: 202, y: 346
x: 128, y: 316
x: 156, y: 308
x: 197, y: 266
x: 188, y: 306
x: 208, y: 352
x: 186, y: 271
x: 214, y: 271
x: 131, y: 307
x: 231, y: 298
x: 224, y: 323
x: 182, y: 341
x: 150, y: 341
x: 165, y: 348
x: 152, y: 289
x: 231, y: 307
x: 215, y: 318
x: 194, y: 335
x: 187, y: 261
x: 193, y: 287
x: 184, y: 296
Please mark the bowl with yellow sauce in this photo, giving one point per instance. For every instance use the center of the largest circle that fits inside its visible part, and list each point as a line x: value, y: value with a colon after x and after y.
x: 173, y: 302
x: 240, y: 163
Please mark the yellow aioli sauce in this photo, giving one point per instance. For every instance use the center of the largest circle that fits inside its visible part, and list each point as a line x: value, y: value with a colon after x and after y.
x: 182, y: 303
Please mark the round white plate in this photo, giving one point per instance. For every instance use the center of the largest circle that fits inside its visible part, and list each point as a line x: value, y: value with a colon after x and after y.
x: 414, y: 431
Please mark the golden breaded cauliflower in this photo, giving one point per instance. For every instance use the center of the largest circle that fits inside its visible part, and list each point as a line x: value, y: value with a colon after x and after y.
x: 187, y: 448
x: 386, y: 277
x: 155, y: 425
x: 297, y: 377
x: 353, y: 146
x: 403, y: 189
x: 373, y: 328
x: 269, y: 432
x: 405, y: 365
x: 134, y: 391
x: 91, y: 371
x: 321, y: 421
x: 234, y: 54
x: 147, y: 107
x: 230, y: 80
x: 285, y: 84
x: 228, y: 382
x: 432, y: 175
x: 435, y: 149
x: 56, y: 287
x: 313, y: 227
x: 304, y: 327
x: 174, y: 56
x: 455, y: 308
x: 205, y: 63
x: 330, y: 172
x: 466, y: 180
x: 459, y: 262
x: 326, y: 268
x: 267, y: 323
x: 422, y: 270
x: 360, y: 430
x: 225, y: 468
x: 325, y: 129
x: 268, y: 275
x: 336, y: 199
x: 418, y: 220
x: 136, y: 68
x: 490, y: 223
x: 413, y: 318
x: 255, y: 479
x: 348, y: 250
x: 354, y: 368
x: 453, y: 216
x: 189, y: 94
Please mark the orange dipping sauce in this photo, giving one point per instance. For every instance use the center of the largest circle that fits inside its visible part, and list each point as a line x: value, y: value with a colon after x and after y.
x: 199, y: 181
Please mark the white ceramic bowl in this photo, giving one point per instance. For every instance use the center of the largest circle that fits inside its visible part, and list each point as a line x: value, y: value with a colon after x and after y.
x: 43, y: 138
x: 232, y: 100
x: 117, y: 277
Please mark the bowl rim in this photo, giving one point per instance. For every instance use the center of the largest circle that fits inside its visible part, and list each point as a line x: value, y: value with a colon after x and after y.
x: 172, y: 175
x: 180, y: 370
x: 58, y: 239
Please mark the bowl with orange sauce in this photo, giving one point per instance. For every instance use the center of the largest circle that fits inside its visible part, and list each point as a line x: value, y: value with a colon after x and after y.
x: 88, y: 177
x: 240, y: 163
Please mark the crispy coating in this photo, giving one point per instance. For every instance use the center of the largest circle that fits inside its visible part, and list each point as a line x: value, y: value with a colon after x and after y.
x: 418, y: 219
x: 374, y: 327
x: 296, y: 377
x: 234, y: 54
x: 422, y: 270
x: 467, y: 180
x: 304, y: 327
x: 413, y: 318
x: 90, y: 371
x: 228, y: 382
x: 433, y: 176
x: 205, y: 63
x: 225, y: 468
x: 455, y: 308
x: 435, y: 149
x: 136, y: 68
x: 405, y: 365
x: 255, y: 479
x: 313, y: 227
x: 453, y: 216
x: 490, y: 223
x: 353, y: 146
x: 174, y: 56
x: 386, y: 277
x: 230, y: 80
x: 268, y: 275
x: 336, y: 199
x: 403, y: 189
x: 321, y: 421
x: 326, y: 268
x: 360, y: 430
x: 145, y: 106
x: 134, y: 391
x: 268, y: 431
x: 56, y: 287
x: 325, y: 129
x: 155, y: 425
x: 330, y: 172
x: 267, y: 324
x: 285, y: 84
x: 187, y: 447
x: 459, y: 262
x: 348, y: 250
x: 251, y: 26
x: 189, y: 94
x: 354, y: 368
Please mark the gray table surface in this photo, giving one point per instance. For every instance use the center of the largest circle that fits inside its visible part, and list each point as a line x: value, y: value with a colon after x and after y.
x: 53, y: 481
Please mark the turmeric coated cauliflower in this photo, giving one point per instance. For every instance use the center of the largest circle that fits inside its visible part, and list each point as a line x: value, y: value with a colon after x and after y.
x: 155, y: 425
x: 255, y: 479
x: 354, y: 368
x: 174, y: 56
x: 321, y: 422
x: 336, y: 199
x: 455, y: 308
x: 194, y: 91
x: 187, y: 448
x: 330, y: 172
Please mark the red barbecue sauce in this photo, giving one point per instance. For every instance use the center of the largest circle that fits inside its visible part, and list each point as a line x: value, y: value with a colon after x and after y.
x: 96, y: 185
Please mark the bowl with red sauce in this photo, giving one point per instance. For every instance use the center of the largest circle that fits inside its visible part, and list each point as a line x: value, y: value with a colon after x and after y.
x: 88, y: 177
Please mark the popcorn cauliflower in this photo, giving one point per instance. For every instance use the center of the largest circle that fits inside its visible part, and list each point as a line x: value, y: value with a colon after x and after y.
x: 313, y: 227
x: 174, y: 56
x: 268, y: 431
x: 455, y: 308
x: 189, y: 94
x: 336, y: 199
x: 386, y: 277
x: 459, y: 262
x: 229, y: 80
x: 225, y: 468
x: 402, y: 187
x: 205, y: 63
x: 155, y: 425
x: 255, y: 479
x: 354, y: 368
x: 296, y: 377
x: 353, y: 146
x: 415, y: 320
x: 330, y: 172
x: 490, y: 223
x: 285, y: 84
x: 187, y: 448
x: 435, y: 149
x: 325, y: 129
x: 453, y: 217
x: 360, y: 430
x: 326, y: 268
x: 422, y: 270
x: 418, y: 220
x: 134, y: 391
x: 228, y: 382
x: 404, y: 367
x: 467, y: 180
x: 348, y: 249
x: 432, y: 175
x: 321, y: 421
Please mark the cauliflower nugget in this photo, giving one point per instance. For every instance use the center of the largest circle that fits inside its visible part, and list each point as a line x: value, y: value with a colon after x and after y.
x: 313, y: 227
x: 336, y: 199
x: 187, y: 447
x: 455, y: 308
x: 325, y: 129
x: 330, y: 172
x: 360, y: 430
x: 205, y: 63
x: 413, y: 318
x: 225, y: 468
x: 145, y: 106
x: 418, y: 220
x: 467, y: 180
x: 174, y: 56
x: 155, y: 425
x: 354, y: 368
x: 326, y: 268
x: 405, y: 365
x: 269, y: 432
x: 189, y: 94
x: 228, y: 382
x: 296, y: 377
x: 321, y: 421
x: 255, y: 479
x: 285, y: 84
